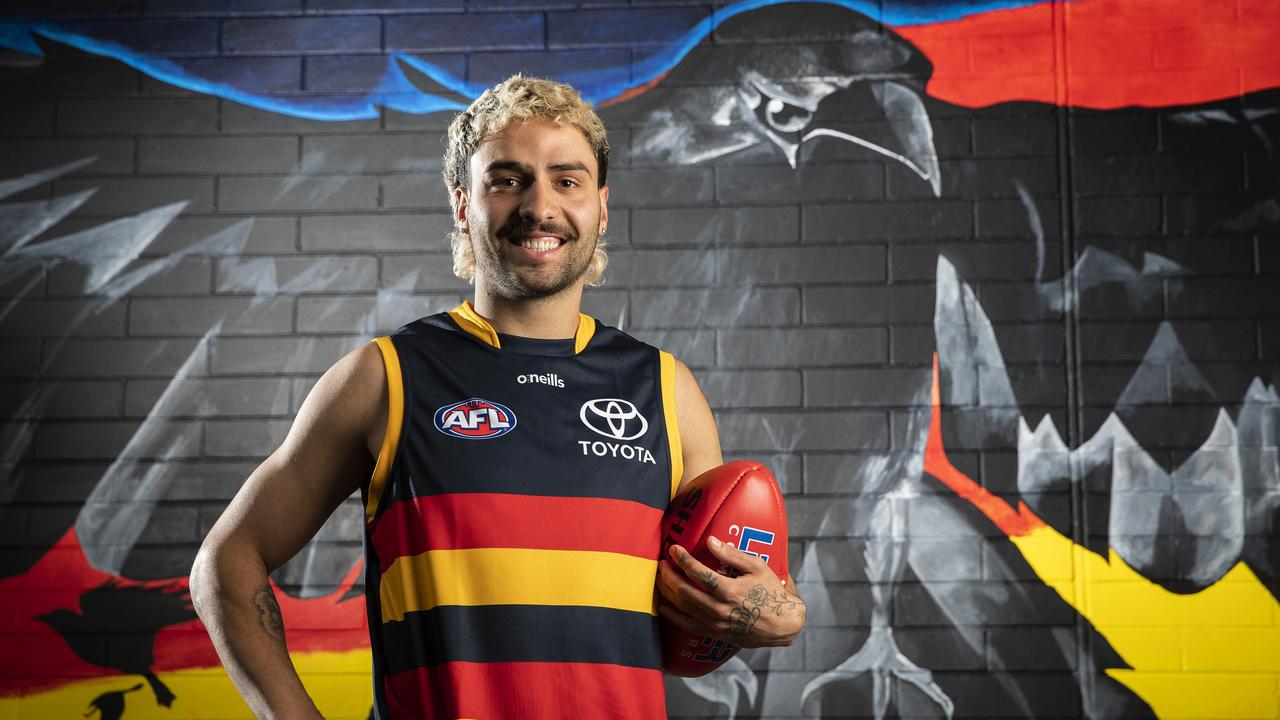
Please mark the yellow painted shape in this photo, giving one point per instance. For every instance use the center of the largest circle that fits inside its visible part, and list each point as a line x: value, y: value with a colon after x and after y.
x: 1210, y: 640
x: 339, y: 683
x: 517, y: 576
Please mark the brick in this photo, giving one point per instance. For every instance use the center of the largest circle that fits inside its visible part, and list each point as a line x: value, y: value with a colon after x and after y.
x: 138, y: 116
x: 292, y: 35
x: 780, y: 184
x: 77, y: 75
x: 366, y: 233
x: 217, y: 155
x: 1235, y: 214
x: 195, y: 316
x: 632, y: 187
x: 19, y: 358
x: 105, y: 440
x: 875, y: 222
x: 869, y: 305
x: 244, y: 438
x: 863, y: 387
x: 633, y: 268
x: 68, y: 400
x: 1270, y: 340
x: 27, y: 117
x: 941, y: 650
x: 415, y: 192
x: 114, y: 155
x: 978, y: 177
x: 189, y: 276
x: 346, y: 73
x: 750, y: 388
x: 974, y: 262
x: 154, y: 37
x: 844, y: 473
x: 490, y: 68
x: 630, y: 27
x: 466, y: 33
x: 797, y: 347
x: 237, y: 118
x: 295, y: 354
x: 391, y: 315
x: 261, y: 75
x: 714, y: 307
x: 309, y: 192
x: 209, y: 397
x: 1093, y: 134
x: 1017, y: 136
x: 1213, y: 341
x: 381, y: 152
x: 1013, y: 55
x: 387, y: 5
x: 825, y: 430
x: 807, y: 265
x: 301, y: 275
x: 427, y: 271
x: 266, y: 235
x: 1117, y: 215
x: 609, y: 306
x: 124, y: 196
x: 118, y: 358
x: 241, y: 7
x: 1041, y: 606
x: 704, y: 226
x: 63, y: 318
x: 172, y: 524
x: 1010, y: 218
x: 346, y: 314
x: 1158, y: 173
x: 1228, y: 298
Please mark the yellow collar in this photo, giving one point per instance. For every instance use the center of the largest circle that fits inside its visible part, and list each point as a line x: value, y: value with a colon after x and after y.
x: 470, y: 321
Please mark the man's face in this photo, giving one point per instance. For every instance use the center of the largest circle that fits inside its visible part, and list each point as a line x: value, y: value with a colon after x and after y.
x: 532, y: 209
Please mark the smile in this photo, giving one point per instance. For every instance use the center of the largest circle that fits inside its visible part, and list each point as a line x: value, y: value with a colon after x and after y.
x: 538, y: 243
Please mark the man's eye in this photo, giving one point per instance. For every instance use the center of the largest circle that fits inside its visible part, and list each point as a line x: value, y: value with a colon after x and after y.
x: 506, y: 182
x: 568, y: 182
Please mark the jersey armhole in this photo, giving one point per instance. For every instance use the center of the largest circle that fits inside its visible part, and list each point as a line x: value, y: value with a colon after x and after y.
x: 395, y: 421
x: 667, y: 375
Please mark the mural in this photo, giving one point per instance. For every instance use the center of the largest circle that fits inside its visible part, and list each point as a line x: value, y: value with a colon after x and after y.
x: 992, y: 286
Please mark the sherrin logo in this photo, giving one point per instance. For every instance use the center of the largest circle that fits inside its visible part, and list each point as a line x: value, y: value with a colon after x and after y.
x: 475, y: 419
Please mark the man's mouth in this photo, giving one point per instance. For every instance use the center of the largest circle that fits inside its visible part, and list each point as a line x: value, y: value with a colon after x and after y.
x: 538, y: 242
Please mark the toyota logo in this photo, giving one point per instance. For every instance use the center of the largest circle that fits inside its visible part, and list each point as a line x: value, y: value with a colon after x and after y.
x: 612, y: 418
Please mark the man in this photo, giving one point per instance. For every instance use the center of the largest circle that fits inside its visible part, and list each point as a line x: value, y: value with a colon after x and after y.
x: 514, y: 458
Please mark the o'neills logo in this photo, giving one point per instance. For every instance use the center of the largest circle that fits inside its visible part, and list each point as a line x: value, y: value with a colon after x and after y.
x: 475, y: 419
x: 616, y: 419
x: 551, y: 379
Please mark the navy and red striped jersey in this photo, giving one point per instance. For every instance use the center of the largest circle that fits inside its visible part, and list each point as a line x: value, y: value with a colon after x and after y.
x: 513, y: 523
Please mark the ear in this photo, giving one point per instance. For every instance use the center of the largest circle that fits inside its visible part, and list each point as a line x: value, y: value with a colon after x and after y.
x: 604, y: 208
x: 460, y: 201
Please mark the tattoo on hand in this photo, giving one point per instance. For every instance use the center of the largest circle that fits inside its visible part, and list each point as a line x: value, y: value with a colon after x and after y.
x: 264, y: 602
x: 711, y: 579
x: 743, y: 619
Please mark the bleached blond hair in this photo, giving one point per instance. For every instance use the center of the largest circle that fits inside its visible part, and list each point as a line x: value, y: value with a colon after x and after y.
x: 518, y: 99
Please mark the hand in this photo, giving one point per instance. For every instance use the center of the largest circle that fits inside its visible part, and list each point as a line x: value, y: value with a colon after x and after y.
x: 755, y: 609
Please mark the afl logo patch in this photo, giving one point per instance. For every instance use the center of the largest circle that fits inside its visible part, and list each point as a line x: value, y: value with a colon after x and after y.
x: 613, y: 418
x: 475, y: 419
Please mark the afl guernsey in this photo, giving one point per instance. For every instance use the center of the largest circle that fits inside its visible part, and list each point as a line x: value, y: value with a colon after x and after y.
x: 512, y: 523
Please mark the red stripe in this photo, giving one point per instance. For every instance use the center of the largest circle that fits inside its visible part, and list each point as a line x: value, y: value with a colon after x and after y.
x: 1104, y: 53
x: 477, y: 520
x: 526, y: 690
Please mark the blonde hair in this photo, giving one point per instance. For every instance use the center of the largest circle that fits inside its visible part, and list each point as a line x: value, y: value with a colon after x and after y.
x: 518, y: 99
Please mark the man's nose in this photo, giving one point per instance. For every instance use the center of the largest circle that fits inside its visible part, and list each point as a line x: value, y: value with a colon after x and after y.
x: 540, y: 203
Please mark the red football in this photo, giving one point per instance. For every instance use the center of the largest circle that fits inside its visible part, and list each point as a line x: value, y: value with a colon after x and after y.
x: 739, y: 503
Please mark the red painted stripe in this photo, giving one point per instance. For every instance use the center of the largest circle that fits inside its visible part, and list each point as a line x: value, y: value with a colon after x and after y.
x: 477, y: 520
x: 526, y: 690
x: 1105, y: 53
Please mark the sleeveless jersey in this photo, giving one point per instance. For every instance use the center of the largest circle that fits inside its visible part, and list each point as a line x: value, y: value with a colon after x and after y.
x: 512, y: 523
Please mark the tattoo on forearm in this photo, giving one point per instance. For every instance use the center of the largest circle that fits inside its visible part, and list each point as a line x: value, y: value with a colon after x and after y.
x: 268, y: 610
x: 743, y: 619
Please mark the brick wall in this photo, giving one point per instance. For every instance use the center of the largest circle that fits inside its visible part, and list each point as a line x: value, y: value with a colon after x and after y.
x: 1096, y: 265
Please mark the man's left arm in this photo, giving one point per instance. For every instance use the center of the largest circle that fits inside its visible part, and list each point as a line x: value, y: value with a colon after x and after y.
x: 754, y: 609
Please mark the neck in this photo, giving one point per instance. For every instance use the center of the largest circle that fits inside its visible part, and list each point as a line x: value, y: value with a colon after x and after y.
x: 549, y: 318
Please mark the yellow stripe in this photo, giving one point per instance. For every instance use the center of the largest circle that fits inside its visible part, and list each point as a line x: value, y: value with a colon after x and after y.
x: 667, y: 374
x: 586, y: 329
x: 395, y: 420
x: 471, y: 323
x: 517, y: 576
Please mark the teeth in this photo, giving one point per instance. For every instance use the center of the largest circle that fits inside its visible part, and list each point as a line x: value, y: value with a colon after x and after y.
x: 540, y: 243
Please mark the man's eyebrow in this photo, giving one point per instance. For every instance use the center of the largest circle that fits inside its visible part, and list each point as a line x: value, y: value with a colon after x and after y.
x: 569, y: 166
x: 509, y: 165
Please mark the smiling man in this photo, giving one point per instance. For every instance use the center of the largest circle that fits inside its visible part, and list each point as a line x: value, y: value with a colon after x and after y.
x: 514, y: 458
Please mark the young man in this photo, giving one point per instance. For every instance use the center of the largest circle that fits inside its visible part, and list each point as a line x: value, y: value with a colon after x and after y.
x: 514, y: 458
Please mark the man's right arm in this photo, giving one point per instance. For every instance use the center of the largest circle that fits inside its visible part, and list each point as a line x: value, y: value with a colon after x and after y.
x: 327, y: 456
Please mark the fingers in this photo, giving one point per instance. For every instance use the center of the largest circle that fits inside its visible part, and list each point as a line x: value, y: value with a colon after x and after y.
x: 708, y: 578
x: 735, y: 558
x: 685, y: 595
x: 683, y: 622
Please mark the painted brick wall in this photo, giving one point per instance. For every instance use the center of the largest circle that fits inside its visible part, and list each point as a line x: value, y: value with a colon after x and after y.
x: 1092, y: 264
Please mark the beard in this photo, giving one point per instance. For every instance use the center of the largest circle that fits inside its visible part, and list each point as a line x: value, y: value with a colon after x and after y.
x: 517, y: 280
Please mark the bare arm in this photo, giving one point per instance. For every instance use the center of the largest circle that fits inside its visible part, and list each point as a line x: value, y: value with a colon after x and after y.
x: 327, y: 456
x: 752, y: 610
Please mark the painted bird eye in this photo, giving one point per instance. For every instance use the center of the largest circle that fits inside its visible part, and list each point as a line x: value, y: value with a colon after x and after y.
x: 785, y: 117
